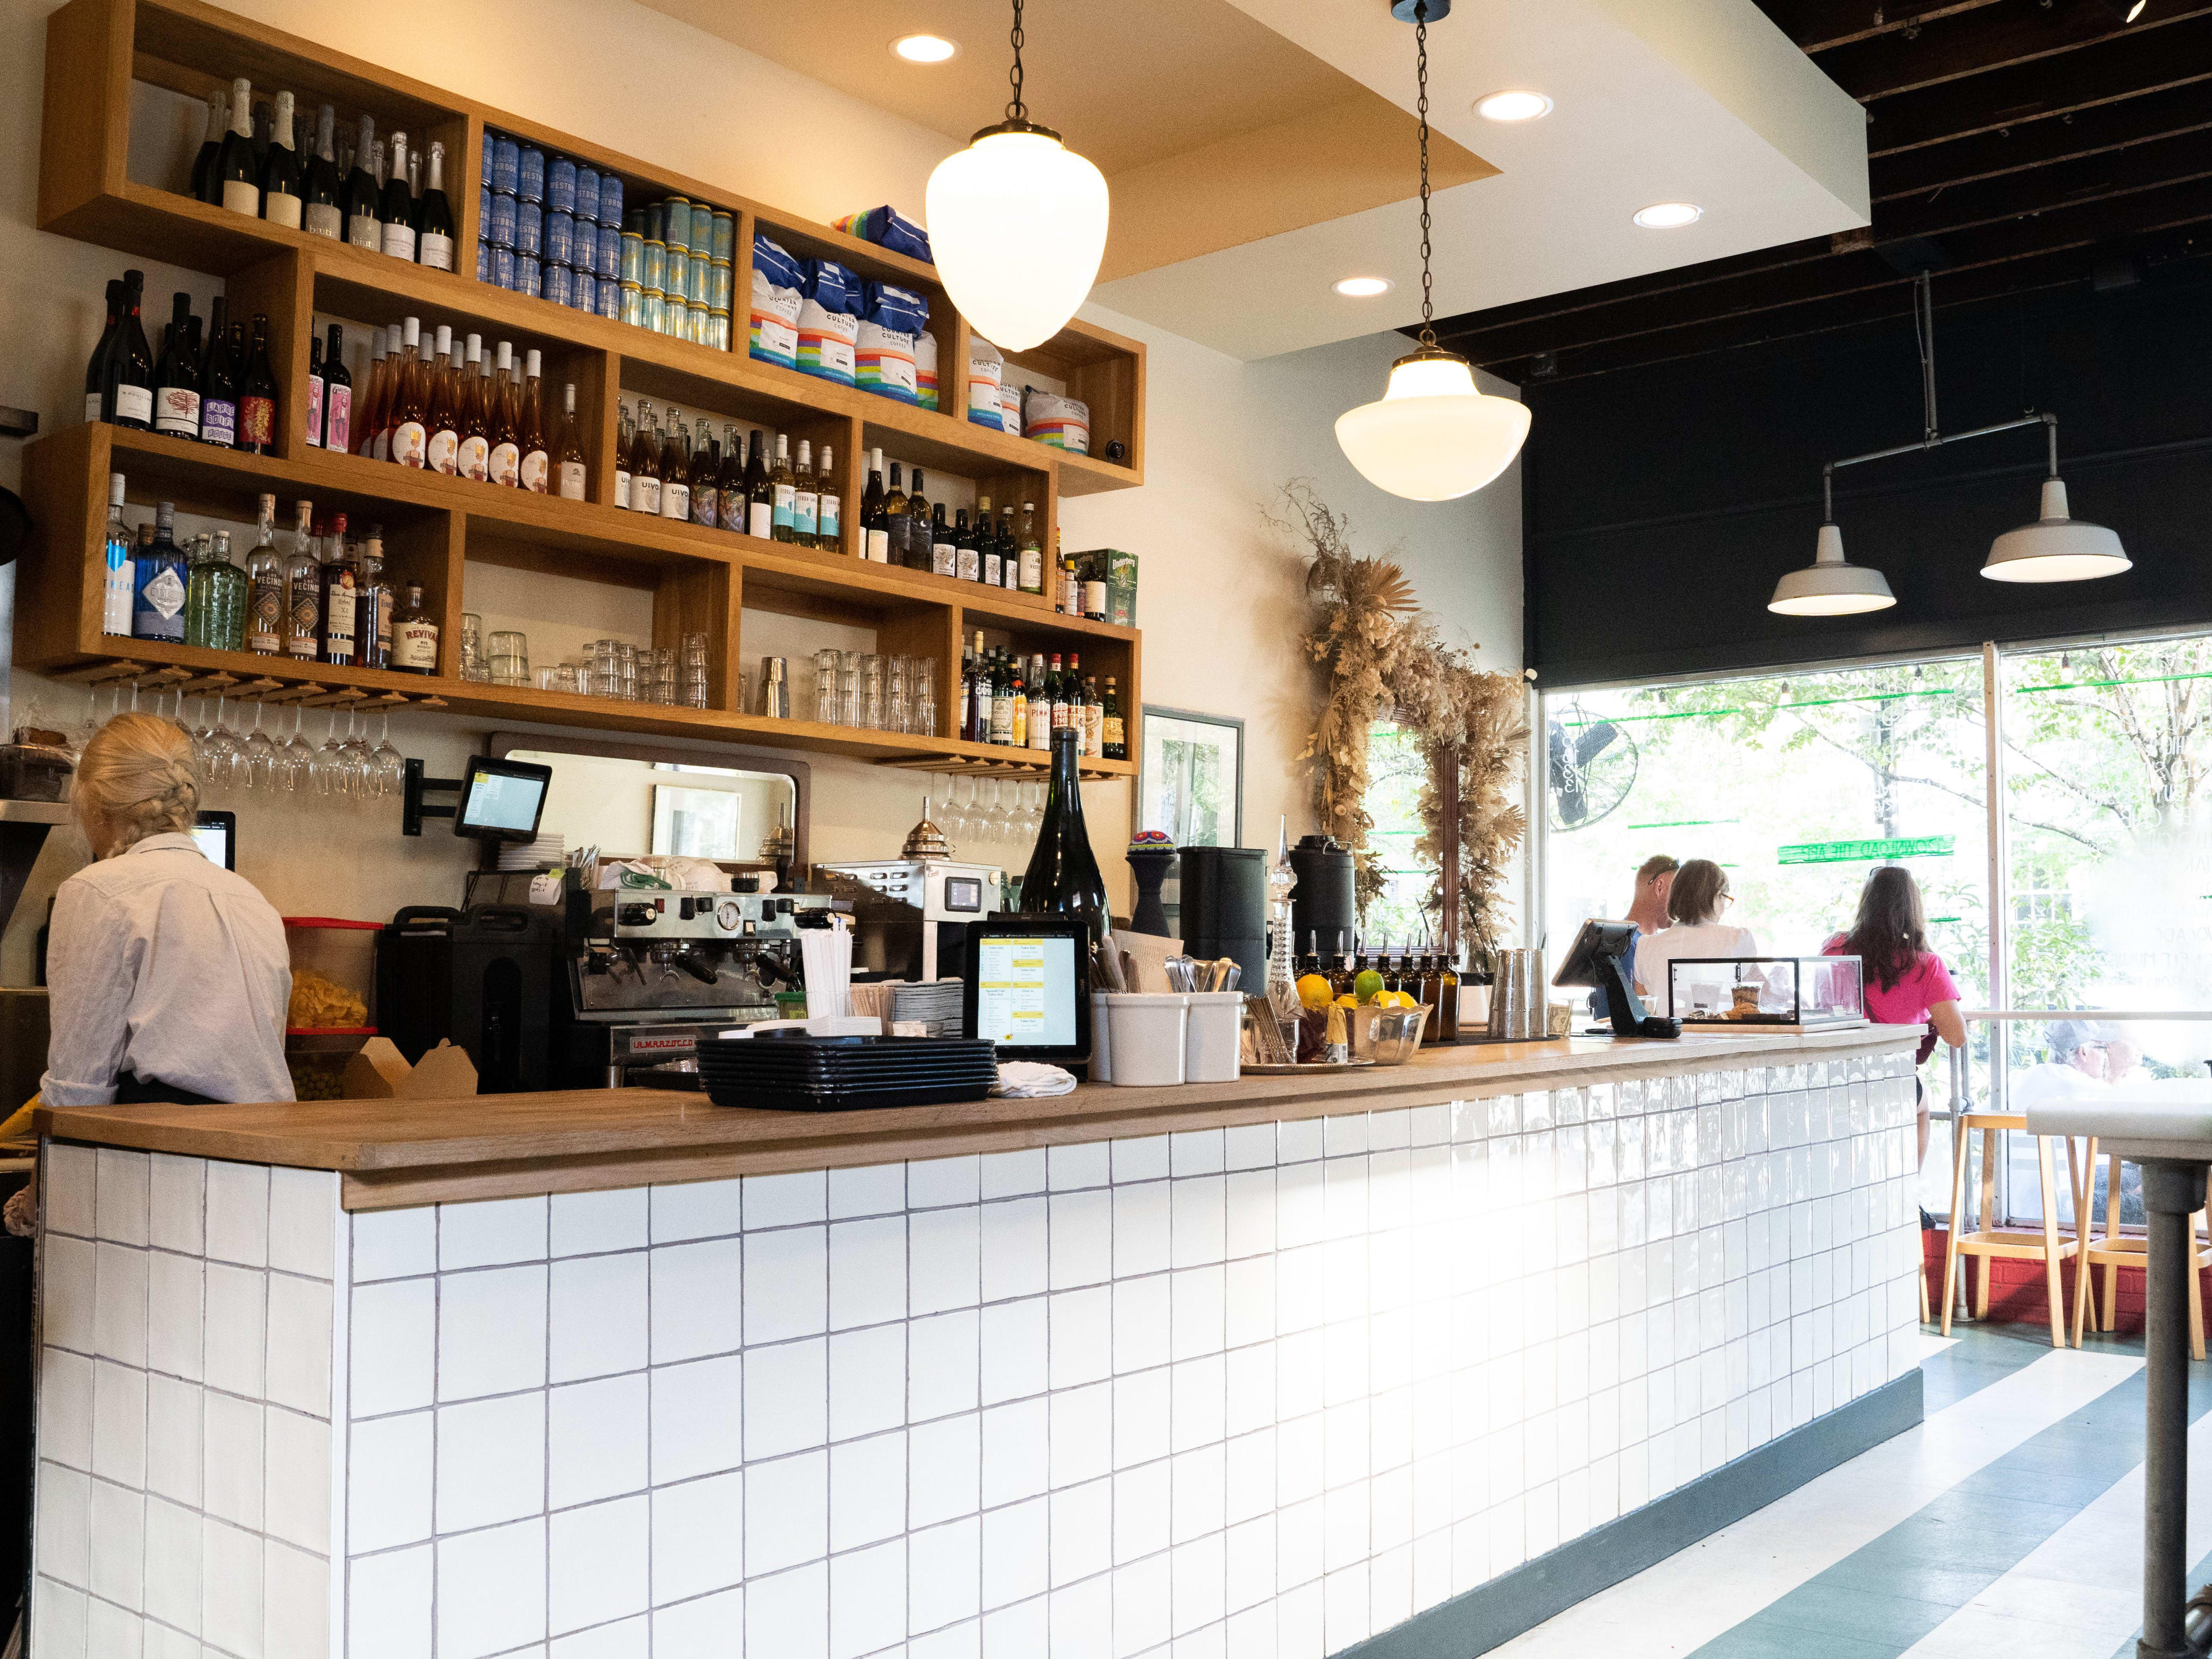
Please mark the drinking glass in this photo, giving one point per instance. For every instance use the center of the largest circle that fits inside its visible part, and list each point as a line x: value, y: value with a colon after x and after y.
x: 894, y: 694
x: 89, y: 728
x: 352, y: 755
x: 323, y: 763
x: 825, y: 687
x: 872, y: 692
x: 960, y: 813
x: 259, y: 755
x: 297, y: 754
x: 389, y: 764
x: 473, y: 666
x: 848, y: 687
x: 218, y: 748
x: 921, y: 715
x: 562, y: 676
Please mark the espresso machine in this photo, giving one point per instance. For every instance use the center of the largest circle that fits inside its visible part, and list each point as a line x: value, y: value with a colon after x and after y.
x: 649, y: 972
x: 911, y: 914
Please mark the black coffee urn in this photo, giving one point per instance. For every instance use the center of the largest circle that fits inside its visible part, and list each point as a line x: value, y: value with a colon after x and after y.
x: 1225, y: 907
x: 1324, y: 915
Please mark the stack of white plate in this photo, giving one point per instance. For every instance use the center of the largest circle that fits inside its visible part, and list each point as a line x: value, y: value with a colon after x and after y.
x: 547, y: 852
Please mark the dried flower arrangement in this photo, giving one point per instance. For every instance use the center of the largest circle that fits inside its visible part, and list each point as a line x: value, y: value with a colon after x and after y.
x: 1378, y: 656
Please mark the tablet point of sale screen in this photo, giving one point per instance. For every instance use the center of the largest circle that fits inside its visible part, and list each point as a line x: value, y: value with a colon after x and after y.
x: 1025, y: 992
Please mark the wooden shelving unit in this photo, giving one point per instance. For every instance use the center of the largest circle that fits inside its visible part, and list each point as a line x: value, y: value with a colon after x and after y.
x: 700, y: 580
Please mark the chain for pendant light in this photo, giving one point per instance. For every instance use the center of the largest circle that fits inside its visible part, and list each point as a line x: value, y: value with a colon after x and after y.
x: 1016, y: 110
x: 1421, y: 50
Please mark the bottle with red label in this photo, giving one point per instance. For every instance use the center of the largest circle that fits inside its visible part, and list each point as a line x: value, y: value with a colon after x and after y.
x: 257, y: 397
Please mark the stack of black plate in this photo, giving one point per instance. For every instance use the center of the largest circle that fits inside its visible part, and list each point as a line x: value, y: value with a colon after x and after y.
x: 790, y: 1071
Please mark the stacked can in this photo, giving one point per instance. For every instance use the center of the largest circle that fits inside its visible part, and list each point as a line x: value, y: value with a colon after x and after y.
x: 549, y: 226
x: 675, y: 270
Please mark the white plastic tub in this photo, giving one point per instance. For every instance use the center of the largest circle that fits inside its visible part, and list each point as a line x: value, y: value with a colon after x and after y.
x: 1148, y: 1032
x: 1212, y: 1042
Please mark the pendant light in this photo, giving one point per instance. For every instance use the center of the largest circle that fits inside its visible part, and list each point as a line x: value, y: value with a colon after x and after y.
x: 1832, y: 586
x: 2056, y: 548
x: 1433, y: 436
x: 1017, y: 225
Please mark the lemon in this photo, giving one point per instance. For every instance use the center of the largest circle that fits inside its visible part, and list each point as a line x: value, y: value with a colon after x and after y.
x: 1347, y: 1000
x: 1313, y: 992
x: 1368, y: 986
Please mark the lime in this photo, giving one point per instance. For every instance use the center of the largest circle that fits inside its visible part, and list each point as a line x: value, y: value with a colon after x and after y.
x: 1368, y: 985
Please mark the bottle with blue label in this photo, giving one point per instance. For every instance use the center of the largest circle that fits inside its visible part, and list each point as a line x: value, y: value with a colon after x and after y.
x: 157, y: 609
x: 117, y: 591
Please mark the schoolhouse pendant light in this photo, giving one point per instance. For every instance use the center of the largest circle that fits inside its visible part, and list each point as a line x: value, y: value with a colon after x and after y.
x: 2056, y: 548
x: 1433, y: 436
x: 1017, y: 224
x: 1832, y: 586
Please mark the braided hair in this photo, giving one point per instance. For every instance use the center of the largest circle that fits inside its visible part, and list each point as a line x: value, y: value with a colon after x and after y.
x: 138, y: 777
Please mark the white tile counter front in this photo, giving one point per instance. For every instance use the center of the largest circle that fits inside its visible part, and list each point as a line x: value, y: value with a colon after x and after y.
x: 1253, y: 1391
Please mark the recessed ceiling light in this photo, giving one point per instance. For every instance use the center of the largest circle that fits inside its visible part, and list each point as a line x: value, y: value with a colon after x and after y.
x: 1668, y: 215
x: 1513, y: 106
x: 2135, y: 11
x: 925, y: 48
x: 1362, y: 288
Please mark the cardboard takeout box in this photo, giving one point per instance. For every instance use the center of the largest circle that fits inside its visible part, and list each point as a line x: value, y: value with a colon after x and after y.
x: 380, y: 1072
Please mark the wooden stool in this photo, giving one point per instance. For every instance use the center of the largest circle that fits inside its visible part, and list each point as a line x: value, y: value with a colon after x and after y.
x: 2016, y: 1244
x: 2111, y: 1252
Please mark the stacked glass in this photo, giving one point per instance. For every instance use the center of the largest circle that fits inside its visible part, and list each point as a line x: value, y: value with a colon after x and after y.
x: 692, y: 683
x: 510, y: 658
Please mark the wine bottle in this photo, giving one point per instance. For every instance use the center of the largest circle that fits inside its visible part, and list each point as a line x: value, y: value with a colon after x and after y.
x: 127, y: 379
x: 157, y: 607
x: 875, y: 532
x: 396, y: 209
x: 921, y: 537
x: 363, y: 229
x: 115, y: 594
x: 829, y: 530
x: 264, y: 121
x: 323, y: 212
x: 505, y: 462
x: 645, y: 463
x: 731, y: 485
x: 988, y: 556
x: 536, y: 467
x: 806, y: 499
x: 569, y: 458
x: 895, y: 525
x: 282, y: 201
x: 1032, y: 552
x: 410, y: 416
x: 623, y: 435
x: 706, y: 469
x: 237, y: 176
x: 760, y: 494
x: 375, y: 397
x: 1010, y: 549
x: 966, y: 560
x: 1114, y: 740
x: 473, y: 459
x: 256, y: 395
x: 784, y: 500
x: 315, y: 386
x: 96, y: 406
x: 675, y: 471
x: 433, y: 216
x: 219, y: 381
x: 177, y: 377
x: 205, y: 184
x: 944, y: 545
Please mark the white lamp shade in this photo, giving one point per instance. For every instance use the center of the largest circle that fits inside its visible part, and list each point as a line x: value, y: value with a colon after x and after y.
x: 2055, y: 548
x: 1832, y: 586
x: 1016, y: 223
x: 1433, y: 437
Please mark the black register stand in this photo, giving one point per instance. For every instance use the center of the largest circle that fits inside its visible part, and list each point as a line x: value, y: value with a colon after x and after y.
x: 1594, y: 959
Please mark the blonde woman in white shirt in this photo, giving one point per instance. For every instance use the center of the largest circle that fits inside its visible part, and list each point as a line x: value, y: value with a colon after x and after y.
x: 1697, y: 903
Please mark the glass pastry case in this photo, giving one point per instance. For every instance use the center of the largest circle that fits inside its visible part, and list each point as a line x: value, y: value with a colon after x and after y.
x: 1767, y: 993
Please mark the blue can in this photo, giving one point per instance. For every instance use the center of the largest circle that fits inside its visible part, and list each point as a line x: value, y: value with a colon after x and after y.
x: 632, y: 267
x: 490, y: 144
x: 506, y: 164
x: 529, y: 228
x: 611, y: 255
x: 653, y: 272
x: 610, y: 297
x: 676, y: 213
x: 484, y: 260
x: 499, y: 226
x: 656, y: 222
x: 588, y: 192
x: 529, y: 173
x: 703, y: 234
x: 553, y: 283
x: 529, y: 275
x: 561, y: 185
x: 483, y: 207
x: 558, y: 244
x: 633, y: 305
x: 698, y: 283
x: 502, y: 267
x: 583, y: 245
x: 675, y: 273
x: 583, y: 293
x: 726, y: 237
x: 611, y: 199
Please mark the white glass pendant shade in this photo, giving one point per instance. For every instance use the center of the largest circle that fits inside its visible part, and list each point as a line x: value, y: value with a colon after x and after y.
x: 1432, y: 437
x: 1832, y: 586
x: 1017, y: 224
x: 2056, y: 548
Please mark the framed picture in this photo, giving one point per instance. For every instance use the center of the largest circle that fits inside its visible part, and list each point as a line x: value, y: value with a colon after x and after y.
x: 699, y: 823
x: 1190, y: 777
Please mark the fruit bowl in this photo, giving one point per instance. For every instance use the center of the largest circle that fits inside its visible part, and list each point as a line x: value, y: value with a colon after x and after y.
x: 1389, y: 1036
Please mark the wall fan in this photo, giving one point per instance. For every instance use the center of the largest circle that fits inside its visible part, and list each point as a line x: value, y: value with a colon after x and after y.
x: 1592, y: 764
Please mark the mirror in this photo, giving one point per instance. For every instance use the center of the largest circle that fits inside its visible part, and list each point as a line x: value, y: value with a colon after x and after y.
x: 627, y: 799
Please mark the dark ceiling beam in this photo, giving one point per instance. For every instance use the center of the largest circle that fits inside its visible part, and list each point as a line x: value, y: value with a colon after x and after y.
x: 1683, y: 280
x: 2138, y: 61
x: 1956, y: 48
x: 2085, y: 179
x: 2108, y: 127
x: 1824, y: 25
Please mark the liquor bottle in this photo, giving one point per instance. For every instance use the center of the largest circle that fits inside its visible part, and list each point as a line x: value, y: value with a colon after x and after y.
x: 314, y: 386
x: 1071, y: 589
x: 95, y: 370
x: 730, y: 500
x: 1094, y: 589
x: 176, y: 376
x: 1032, y: 552
x: 414, y: 635
x: 1094, y: 721
x: 215, y: 600
x: 506, y: 461
x: 1022, y: 701
x: 363, y: 229
x: 645, y: 463
x: 963, y: 717
x: 569, y: 456
x: 281, y: 200
x: 1040, y: 710
x: 219, y: 372
x: 116, y: 588
x: 433, y: 216
x: 303, y: 589
x: 990, y: 562
x: 875, y: 534
x: 1002, y: 701
x: 206, y: 185
x: 920, y: 531
x: 829, y: 530
x: 760, y: 493
x: 322, y: 213
x: 1446, y: 1020
x: 966, y: 562
x: 1010, y: 549
x: 784, y: 491
x: 705, y: 472
x: 237, y: 176
x: 395, y: 207
x: 1064, y: 699
x: 127, y: 377
x: 675, y: 471
x: 340, y: 599
x: 373, y: 606
x: 1063, y: 878
x: 265, y: 587
x: 473, y: 458
x: 944, y: 549
x: 1114, y: 744
x: 806, y: 499
x: 409, y: 421
x: 157, y: 582
x: 535, y: 468
x: 621, y: 455
x: 441, y: 448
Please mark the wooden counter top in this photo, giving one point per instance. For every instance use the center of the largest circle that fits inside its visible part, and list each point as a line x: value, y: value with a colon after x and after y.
x: 394, y: 1153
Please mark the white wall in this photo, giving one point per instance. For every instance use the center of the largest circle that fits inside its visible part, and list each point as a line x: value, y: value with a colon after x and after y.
x: 1218, y: 598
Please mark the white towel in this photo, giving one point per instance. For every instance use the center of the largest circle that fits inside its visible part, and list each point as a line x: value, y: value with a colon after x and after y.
x: 1028, y: 1079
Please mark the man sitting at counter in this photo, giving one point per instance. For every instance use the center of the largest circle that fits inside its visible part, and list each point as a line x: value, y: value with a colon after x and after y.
x: 1654, y: 879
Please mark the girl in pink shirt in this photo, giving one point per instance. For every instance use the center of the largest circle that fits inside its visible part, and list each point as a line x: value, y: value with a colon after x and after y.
x: 1906, y: 983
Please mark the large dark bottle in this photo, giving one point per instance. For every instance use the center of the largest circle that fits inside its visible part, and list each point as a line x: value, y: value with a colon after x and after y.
x: 206, y: 186
x: 95, y: 370
x: 323, y: 213
x: 396, y: 208
x: 337, y: 395
x: 256, y: 395
x: 280, y: 195
x: 434, y: 217
x: 875, y: 528
x: 760, y: 494
x: 177, y: 377
x: 127, y: 378
x: 219, y: 382
x: 363, y: 227
x: 1063, y: 877
x: 237, y: 170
